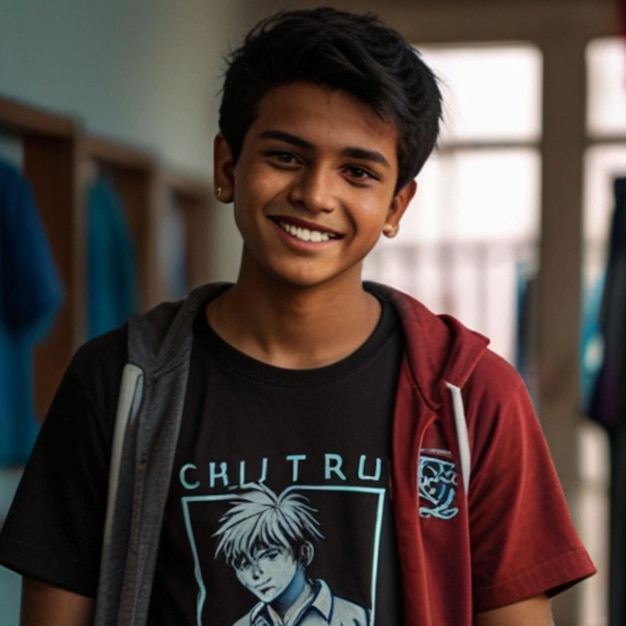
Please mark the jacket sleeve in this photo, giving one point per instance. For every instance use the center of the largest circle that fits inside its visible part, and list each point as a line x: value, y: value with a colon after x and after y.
x: 522, y: 536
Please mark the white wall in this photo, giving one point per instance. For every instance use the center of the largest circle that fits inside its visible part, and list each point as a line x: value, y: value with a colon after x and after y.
x: 142, y: 72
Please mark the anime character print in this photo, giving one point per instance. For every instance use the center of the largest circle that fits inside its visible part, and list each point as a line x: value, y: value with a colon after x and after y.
x: 268, y: 541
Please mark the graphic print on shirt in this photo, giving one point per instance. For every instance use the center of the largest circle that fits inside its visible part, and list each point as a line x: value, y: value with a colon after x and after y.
x: 268, y: 543
x: 437, y: 484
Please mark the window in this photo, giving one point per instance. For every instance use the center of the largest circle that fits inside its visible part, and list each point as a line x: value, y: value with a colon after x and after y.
x: 474, y: 220
x: 605, y: 158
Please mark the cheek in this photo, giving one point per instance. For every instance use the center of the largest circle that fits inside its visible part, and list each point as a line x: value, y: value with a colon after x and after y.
x: 288, y: 566
x: 371, y: 210
x: 243, y: 576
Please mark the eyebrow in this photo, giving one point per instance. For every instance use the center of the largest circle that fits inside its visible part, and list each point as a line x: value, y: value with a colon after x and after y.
x: 354, y: 152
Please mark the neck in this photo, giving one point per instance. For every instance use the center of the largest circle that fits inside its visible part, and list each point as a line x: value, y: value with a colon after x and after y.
x: 289, y: 598
x: 295, y: 328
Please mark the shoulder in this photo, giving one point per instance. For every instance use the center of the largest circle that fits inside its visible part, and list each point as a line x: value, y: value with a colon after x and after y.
x: 92, y: 380
x: 495, y: 377
x: 104, y: 355
x: 500, y: 412
x: 162, y: 335
x: 337, y: 609
x: 110, y: 345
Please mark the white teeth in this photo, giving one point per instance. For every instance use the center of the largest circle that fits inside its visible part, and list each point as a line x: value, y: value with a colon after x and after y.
x: 304, y: 234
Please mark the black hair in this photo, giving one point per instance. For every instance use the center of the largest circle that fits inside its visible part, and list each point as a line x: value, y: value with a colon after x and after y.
x: 356, y: 53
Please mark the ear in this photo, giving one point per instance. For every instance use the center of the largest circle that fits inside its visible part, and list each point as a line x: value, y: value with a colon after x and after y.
x: 307, y: 552
x: 399, y: 204
x: 223, y: 169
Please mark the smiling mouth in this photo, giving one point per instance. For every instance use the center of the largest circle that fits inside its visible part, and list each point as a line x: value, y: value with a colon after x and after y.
x: 306, y: 234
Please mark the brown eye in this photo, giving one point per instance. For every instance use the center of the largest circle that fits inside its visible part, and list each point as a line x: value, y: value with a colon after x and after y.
x: 285, y: 158
x: 360, y: 173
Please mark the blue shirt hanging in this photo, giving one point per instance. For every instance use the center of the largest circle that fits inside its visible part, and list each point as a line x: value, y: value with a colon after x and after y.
x: 112, y: 283
x: 31, y: 294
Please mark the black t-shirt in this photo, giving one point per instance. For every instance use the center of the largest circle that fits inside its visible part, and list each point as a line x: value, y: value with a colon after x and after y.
x: 318, y: 443
x: 317, y: 440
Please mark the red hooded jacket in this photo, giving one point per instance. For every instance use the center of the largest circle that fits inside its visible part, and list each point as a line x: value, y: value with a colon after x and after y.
x: 508, y: 535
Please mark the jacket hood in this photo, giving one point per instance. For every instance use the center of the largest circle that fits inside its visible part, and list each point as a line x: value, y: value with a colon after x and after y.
x: 439, y: 348
x: 162, y: 336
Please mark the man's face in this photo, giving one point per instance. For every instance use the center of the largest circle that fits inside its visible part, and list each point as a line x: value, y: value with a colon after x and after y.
x: 267, y: 572
x: 314, y: 185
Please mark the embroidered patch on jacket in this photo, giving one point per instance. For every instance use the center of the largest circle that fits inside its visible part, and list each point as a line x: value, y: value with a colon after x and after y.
x: 437, y: 487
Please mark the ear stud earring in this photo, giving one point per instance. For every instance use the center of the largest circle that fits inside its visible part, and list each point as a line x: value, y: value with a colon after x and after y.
x: 218, y: 192
x: 389, y: 230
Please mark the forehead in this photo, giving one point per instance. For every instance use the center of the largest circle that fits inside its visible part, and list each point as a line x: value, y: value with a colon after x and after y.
x: 327, y: 118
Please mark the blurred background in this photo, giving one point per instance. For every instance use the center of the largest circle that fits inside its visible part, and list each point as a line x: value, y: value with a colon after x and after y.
x: 108, y: 112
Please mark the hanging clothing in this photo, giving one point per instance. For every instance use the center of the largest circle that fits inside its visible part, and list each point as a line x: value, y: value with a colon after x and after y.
x: 525, y: 328
x: 112, y: 283
x: 591, y: 342
x: 608, y: 403
x: 30, y: 297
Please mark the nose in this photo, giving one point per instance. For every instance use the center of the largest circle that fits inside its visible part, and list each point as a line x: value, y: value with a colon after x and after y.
x: 256, y: 570
x: 313, y: 190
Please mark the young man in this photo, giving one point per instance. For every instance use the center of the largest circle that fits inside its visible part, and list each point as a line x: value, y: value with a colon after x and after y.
x: 433, y: 483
